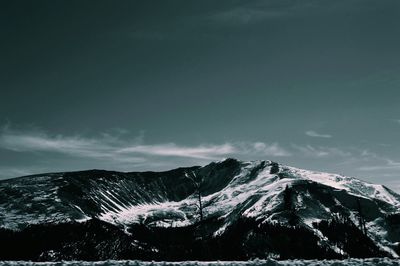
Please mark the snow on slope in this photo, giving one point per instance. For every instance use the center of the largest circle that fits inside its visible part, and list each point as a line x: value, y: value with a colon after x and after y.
x: 255, y: 190
x: 269, y: 262
x: 258, y: 194
x: 351, y: 185
x: 221, y: 203
x: 262, y: 193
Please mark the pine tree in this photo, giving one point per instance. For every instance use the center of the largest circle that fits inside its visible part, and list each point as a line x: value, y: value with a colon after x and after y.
x: 287, y: 198
x: 361, y: 219
x: 197, y: 184
x: 288, y: 206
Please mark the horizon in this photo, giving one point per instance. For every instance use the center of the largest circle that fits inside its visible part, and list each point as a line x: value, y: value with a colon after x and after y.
x: 180, y: 167
x: 140, y: 86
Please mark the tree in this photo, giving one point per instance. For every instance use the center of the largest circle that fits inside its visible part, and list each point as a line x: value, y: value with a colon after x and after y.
x: 287, y: 198
x: 361, y: 219
x: 293, y: 218
x: 197, y: 184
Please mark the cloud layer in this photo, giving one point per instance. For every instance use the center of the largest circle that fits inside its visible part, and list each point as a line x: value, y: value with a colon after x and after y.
x: 134, y: 150
x: 44, y: 152
x: 312, y: 133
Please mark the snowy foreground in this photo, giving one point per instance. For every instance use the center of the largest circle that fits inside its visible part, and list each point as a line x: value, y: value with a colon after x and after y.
x: 364, y: 262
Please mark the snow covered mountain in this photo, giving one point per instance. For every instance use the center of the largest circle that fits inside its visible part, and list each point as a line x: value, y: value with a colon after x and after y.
x: 232, y: 191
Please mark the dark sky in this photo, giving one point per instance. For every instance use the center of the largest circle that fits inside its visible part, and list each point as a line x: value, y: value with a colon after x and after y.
x: 139, y: 85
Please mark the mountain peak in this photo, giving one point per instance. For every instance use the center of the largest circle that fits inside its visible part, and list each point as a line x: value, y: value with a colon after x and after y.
x: 230, y: 190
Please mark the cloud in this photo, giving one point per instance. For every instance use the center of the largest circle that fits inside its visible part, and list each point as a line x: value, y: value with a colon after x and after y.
x: 273, y: 149
x: 118, y: 150
x: 258, y: 11
x: 312, y: 133
x: 321, y: 151
x: 394, y: 121
x: 243, y: 15
x: 172, y: 149
x: 386, y: 165
x: 102, y: 147
x: 112, y: 147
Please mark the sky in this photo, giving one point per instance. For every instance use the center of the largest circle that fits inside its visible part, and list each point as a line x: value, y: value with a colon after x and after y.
x: 154, y: 85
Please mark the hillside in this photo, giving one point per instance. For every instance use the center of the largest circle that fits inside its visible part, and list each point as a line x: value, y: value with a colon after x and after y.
x: 258, y: 209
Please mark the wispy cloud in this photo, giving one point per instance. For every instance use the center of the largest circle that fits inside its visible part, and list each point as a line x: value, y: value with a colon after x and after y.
x: 273, y: 149
x: 321, y: 151
x: 113, y: 147
x: 209, y: 151
x: 258, y: 11
x: 314, y: 134
x: 387, y: 164
x: 244, y: 15
x: 116, y: 150
x: 102, y: 147
x: 171, y: 149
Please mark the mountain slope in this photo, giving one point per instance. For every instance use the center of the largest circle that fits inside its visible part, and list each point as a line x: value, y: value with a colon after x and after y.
x: 263, y: 192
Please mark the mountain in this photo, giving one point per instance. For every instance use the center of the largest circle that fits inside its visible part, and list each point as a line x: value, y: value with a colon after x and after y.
x: 257, y: 209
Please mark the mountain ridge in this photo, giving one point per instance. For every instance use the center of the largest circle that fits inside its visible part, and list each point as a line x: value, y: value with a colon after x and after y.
x: 260, y: 194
